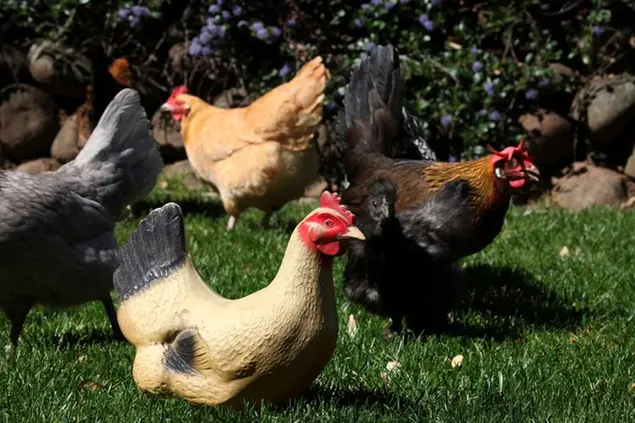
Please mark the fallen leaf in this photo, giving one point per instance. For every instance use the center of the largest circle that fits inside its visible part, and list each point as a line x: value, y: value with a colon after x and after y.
x: 392, y: 365
x: 564, y: 252
x: 454, y: 45
x: 457, y: 361
x: 81, y: 358
x: 573, y: 339
x: 89, y: 385
x: 351, y: 326
x: 163, y: 185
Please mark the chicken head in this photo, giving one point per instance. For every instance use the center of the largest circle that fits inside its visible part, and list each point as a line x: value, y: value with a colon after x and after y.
x: 331, y: 223
x: 514, y: 165
x: 176, y: 106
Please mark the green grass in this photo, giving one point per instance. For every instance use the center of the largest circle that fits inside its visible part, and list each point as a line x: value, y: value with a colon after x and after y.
x: 544, y: 338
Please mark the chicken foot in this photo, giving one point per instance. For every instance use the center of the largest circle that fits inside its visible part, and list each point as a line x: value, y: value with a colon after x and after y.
x: 231, y: 223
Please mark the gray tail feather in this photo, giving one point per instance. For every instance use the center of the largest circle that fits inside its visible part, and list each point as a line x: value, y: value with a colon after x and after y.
x: 373, y: 102
x: 121, y: 160
x: 154, y: 251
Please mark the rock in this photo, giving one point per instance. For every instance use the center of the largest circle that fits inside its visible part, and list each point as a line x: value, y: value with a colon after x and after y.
x: 60, y: 69
x: 587, y: 186
x: 167, y: 132
x: 13, y: 67
x: 70, y: 139
x: 234, y: 97
x: 562, y: 73
x: 552, y: 144
x: 46, y: 164
x: 183, y: 170
x: 28, y: 122
x: 606, y: 106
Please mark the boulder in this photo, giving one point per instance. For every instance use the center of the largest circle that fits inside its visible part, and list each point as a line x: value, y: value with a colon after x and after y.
x: 551, y: 144
x: 46, y: 164
x: 588, y: 185
x: 59, y: 69
x: 605, y: 106
x: 182, y: 170
x: 28, y: 122
x: 167, y: 132
x: 562, y: 73
x: 12, y: 65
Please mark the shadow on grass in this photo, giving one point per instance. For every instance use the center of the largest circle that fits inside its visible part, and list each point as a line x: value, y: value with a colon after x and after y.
x: 501, y: 303
x: 94, y: 337
x: 509, y: 301
x: 350, y: 397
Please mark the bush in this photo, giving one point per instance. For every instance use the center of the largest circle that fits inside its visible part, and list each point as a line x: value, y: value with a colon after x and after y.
x: 472, y: 70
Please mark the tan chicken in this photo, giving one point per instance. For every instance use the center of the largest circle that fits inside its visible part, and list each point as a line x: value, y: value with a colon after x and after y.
x: 262, y: 155
x: 191, y: 341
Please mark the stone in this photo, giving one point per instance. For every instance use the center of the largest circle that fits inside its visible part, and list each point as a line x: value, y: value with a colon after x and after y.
x: 46, y: 164
x: 167, y: 132
x: 183, y: 170
x: 587, y: 186
x: 28, y: 122
x: 605, y: 106
x: 58, y: 68
x: 562, y: 73
x: 551, y: 145
x: 65, y: 146
x: 13, y: 67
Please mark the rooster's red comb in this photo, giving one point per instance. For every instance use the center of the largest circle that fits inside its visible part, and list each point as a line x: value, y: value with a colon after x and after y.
x: 179, y: 89
x: 333, y: 201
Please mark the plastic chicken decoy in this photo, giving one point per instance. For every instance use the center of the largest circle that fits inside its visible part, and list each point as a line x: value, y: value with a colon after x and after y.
x: 268, y: 346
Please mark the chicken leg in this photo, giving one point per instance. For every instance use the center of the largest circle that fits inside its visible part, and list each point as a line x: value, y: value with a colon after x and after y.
x: 17, y: 313
x: 112, y: 317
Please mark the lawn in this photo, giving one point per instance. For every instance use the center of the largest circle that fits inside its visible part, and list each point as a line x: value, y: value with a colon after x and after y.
x: 545, y: 336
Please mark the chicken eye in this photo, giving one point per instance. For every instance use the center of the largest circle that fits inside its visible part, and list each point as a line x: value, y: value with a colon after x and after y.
x: 329, y: 223
x: 374, y: 203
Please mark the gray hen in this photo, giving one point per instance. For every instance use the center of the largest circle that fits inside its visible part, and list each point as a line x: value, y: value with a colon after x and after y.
x: 57, y: 228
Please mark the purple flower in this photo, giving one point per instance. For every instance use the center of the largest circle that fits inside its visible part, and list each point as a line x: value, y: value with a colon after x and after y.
x: 220, y: 32
x: 451, y: 159
x: 544, y: 82
x: 214, y: 9
x: 475, y: 51
x: 225, y: 14
x: 275, y: 31
x: 446, y: 120
x: 494, y: 115
x: 531, y: 94
x: 134, y: 22
x: 123, y: 13
x: 359, y: 22
x: 140, y: 11
x: 369, y: 46
x: 262, y: 33
x: 242, y: 23
x: 376, y: 2
x: 291, y: 23
x: 423, y: 19
x: 237, y: 10
x: 404, y: 1
x: 429, y: 26
x: 211, y: 27
x: 597, y: 31
x: 284, y: 71
x: 435, y: 2
x: 219, y: 2
x: 205, y: 36
x: 256, y: 26
x: 195, y: 47
x: 477, y: 67
x: 489, y: 88
x: 389, y: 5
x: 206, y: 51
x: 365, y: 6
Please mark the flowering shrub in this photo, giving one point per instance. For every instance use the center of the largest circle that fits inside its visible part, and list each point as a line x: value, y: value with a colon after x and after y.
x: 471, y: 70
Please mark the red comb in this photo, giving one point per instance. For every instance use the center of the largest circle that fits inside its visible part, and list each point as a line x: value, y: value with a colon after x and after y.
x: 180, y: 89
x: 333, y: 201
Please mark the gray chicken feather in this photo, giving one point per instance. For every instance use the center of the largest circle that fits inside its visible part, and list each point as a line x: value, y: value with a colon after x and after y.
x: 57, y: 228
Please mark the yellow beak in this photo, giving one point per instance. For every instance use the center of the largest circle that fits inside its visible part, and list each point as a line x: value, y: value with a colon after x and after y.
x: 352, y: 233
